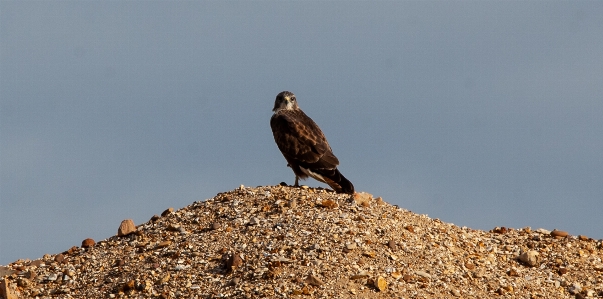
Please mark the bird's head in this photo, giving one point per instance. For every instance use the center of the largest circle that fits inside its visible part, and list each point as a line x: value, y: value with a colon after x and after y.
x: 285, y: 100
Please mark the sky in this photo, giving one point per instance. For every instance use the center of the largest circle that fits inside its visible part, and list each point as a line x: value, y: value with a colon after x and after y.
x: 479, y: 113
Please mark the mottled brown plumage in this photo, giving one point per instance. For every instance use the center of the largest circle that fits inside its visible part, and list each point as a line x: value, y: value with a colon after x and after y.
x: 304, y: 145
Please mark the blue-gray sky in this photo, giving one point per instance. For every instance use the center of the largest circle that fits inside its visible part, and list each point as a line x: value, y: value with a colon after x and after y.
x: 482, y: 114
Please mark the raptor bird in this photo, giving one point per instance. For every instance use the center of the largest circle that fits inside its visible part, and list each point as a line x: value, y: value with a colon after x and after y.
x: 304, y: 145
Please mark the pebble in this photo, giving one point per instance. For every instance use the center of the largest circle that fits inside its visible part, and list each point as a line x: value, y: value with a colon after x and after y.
x: 234, y: 262
x: 559, y: 233
x: 423, y: 274
x: 126, y: 227
x: 530, y: 258
x: 314, y: 281
x: 392, y: 245
x: 167, y: 212
x: 164, y: 244
x: 380, y: 283
x: 87, y: 243
x: 575, y: 288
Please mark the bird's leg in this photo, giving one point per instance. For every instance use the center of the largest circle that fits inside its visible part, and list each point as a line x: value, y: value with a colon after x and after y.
x: 296, y: 181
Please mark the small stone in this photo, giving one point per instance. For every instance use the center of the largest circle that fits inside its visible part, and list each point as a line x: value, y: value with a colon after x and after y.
x: 543, y: 231
x: 38, y: 263
x: 392, y: 245
x: 179, y: 267
x: 530, y: 258
x: 234, y: 262
x: 562, y: 270
x: 126, y: 227
x: 362, y: 198
x: 469, y: 266
x: 59, y: 258
x: 8, y: 290
x: 164, y: 244
x: 455, y: 293
x: 164, y: 279
x: 423, y: 274
x: 254, y: 221
x: 583, y: 238
x: 129, y: 285
x: 314, y: 281
x: 370, y: 254
x: 155, y: 218
x: 380, y: 284
x: 360, y: 275
x: 235, y: 281
x: 351, y: 246
x: 575, y: 288
x: 513, y: 272
x: 173, y: 227
x: 396, y: 275
x: 52, y: 277
x: 329, y: 204
x: 559, y: 233
x: 479, y: 273
x: 167, y: 212
x: 292, y: 203
x: 215, y: 226
x: 87, y: 243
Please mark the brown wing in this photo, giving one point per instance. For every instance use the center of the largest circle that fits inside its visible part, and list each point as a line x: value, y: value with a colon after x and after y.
x: 301, y: 141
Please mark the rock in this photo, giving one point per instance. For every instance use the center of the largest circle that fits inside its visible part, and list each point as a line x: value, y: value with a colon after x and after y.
x: 87, y: 243
x: 254, y: 221
x: 559, y: 233
x: 329, y: 204
x: 59, y: 258
x: 543, y: 231
x: 7, y: 290
x: 215, y: 226
x: 292, y: 203
x: 164, y: 244
x: 530, y: 258
x: 52, y: 277
x: 360, y: 275
x: 423, y: 274
x: 455, y: 293
x: 167, y: 212
x: 392, y: 245
x: 314, y: 281
x: 155, y: 218
x: 351, y: 246
x: 575, y: 288
x: 380, y: 283
x: 38, y: 263
x: 362, y: 198
x: 234, y: 262
x: 235, y: 281
x: 126, y: 227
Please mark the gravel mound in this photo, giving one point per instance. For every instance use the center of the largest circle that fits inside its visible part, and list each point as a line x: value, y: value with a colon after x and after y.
x: 285, y: 242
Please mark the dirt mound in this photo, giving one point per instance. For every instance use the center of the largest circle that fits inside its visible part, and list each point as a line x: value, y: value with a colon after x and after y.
x: 282, y: 242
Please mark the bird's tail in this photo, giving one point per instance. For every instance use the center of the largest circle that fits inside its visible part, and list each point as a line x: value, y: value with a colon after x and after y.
x: 337, y: 181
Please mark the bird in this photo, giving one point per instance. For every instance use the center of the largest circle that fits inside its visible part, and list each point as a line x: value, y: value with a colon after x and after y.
x: 304, y: 145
